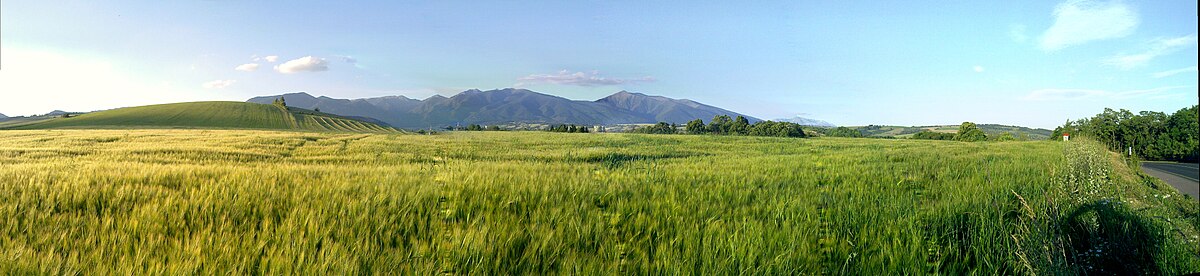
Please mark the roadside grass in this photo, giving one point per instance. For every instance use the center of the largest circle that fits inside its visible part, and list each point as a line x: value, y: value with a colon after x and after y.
x: 244, y: 201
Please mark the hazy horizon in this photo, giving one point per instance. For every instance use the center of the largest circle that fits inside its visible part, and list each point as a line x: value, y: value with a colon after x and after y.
x: 924, y: 63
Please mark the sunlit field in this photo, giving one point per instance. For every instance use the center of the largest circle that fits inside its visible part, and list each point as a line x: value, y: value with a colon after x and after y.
x: 218, y: 201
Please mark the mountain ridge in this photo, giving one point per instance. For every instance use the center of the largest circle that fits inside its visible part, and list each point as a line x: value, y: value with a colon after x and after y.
x: 509, y: 106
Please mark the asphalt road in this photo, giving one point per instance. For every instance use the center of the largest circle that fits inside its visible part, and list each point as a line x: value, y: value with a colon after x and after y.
x: 1181, y: 175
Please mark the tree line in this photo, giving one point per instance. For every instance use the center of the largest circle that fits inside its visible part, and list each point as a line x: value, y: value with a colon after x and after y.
x: 475, y: 127
x: 725, y: 125
x: 969, y: 132
x: 569, y: 128
x: 1152, y: 135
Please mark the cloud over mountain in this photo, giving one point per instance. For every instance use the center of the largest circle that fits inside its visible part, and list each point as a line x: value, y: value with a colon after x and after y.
x: 304, y: 64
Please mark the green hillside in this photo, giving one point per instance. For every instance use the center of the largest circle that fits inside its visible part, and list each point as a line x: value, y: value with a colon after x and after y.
x: 208, y: 115
x: 990, y: 129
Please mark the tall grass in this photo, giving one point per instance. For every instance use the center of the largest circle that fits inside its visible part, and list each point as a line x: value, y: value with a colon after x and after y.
x: 212, y: 201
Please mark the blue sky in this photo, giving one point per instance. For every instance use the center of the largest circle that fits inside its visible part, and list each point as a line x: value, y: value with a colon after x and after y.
x: 1030, y: 63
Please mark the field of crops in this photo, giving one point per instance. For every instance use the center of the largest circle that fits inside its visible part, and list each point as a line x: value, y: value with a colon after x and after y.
x: 219, y: 201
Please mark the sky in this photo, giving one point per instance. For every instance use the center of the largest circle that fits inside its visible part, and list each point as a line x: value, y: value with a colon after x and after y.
x: 1028, y: 63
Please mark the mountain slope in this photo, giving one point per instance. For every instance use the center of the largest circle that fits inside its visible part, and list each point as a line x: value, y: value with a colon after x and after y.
x: 509, y: 106
x: 518, y: 105
x: 209, y: 115
x: 2, y: 116
x: 663, y: 109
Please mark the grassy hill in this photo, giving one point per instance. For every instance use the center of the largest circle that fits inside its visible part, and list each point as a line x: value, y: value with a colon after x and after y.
x: 207, y: 115
x: 990, y: 129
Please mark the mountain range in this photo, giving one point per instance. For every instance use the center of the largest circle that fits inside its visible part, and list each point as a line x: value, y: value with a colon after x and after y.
x: 2, y: 116
x: 509, y: 106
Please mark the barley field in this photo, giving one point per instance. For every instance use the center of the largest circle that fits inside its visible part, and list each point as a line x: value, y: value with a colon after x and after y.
x: 281, y: 202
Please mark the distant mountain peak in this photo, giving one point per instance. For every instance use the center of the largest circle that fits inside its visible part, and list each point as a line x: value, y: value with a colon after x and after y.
x: 807, y: 122
x: 510, y: 105
x: 300, y: 94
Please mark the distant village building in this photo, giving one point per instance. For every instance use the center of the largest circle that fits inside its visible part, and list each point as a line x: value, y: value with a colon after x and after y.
x: 1066, y: 136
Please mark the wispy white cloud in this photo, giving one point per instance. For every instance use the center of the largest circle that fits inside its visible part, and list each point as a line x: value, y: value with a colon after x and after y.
x: 218, y: 84
x: 978, y: 69
x: 565, y: 77
x: 248, y: 67
x: 1062, y: 94
x: 347, y: 59
x: 304, y: 64
x: 1158, y: 47
x: 1079, y: 94
x: 1017, y: 33
x: 1081, y: 21
x: 1168, y: 73
x: 271, y: 58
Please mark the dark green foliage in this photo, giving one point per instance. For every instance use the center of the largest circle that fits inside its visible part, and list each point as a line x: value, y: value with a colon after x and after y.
x: 569, y: 128
x: 1152, y: 135
x: 740, y: 126
x: 722, y: 125
x: 659, y: 128
x: 845, y: 132
x: 696, y: 127
x: 968, y: 132
x: 280, y: 102
x: 1006, y: 136
x: 777, y: 129
x: 930, y: 135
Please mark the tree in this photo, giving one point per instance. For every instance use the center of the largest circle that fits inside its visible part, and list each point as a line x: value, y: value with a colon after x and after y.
x: 930, y: 135
x: 1151, y: 135
x: 720, y: 124
x: 740, y: 126
x: 845, y: 132
x: 695, y: 127
x: 1006, y: 136
x: 317, y: 109
x: 969, y: 132
x: 777, y: 129
x: 659, y: 128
